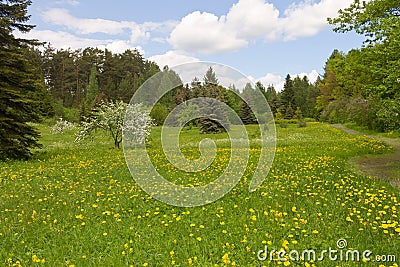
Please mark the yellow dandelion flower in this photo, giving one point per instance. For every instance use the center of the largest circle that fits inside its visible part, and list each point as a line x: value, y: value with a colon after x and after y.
x: 225, y: 259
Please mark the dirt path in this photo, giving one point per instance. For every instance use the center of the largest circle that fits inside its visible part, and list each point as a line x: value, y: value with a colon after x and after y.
x: 386, y: 166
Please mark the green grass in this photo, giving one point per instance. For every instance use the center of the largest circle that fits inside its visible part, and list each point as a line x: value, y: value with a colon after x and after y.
x: 363, y: 129
x: 79, y: 206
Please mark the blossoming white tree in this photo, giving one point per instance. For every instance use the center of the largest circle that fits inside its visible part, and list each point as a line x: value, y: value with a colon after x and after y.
x: 110, y: 117
x: 61, y: 126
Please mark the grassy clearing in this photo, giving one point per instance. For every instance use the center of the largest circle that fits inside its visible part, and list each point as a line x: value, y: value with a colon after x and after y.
x: 79, y: 206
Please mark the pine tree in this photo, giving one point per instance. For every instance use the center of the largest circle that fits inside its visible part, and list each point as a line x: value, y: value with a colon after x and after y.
x: 17, y: 82
x: 215, y: 115
x: 287, y: 95
x: 298, y: 115
x: 278, y: 115
x: 210, y: 77
x: 92, y: 90
x: 246, y: 114
x: 289, y: 112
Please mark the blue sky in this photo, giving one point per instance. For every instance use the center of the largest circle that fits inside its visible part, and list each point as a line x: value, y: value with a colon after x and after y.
x: 264, y: 39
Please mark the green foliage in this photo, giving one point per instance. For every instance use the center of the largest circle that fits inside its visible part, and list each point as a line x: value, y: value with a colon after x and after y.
x: 283, y: 124
x: 115, y: 118
x: 375, y: 19
x: 20, y: 85
x: 210, y: 77
x: 389, y: 114
x: 278, y: 115
x: 188, y: 115
x: 297, y: 92
x: 78, y: 76
x: 302, y: 124
x: 215, y: 116
x: 246, y: 114
x: 92, y: 89
x: 61, y: 126
x: 358, y: 86
x: 159, y: 113
x: 298, y: 115
x: 289, y: 112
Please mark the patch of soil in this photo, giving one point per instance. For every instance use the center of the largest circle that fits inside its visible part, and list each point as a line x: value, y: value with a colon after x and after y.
x: 385, y: 166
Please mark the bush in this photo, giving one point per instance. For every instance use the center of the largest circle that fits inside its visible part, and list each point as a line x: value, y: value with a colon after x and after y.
x: 302, y: 124
x: 283, y: 125
x: 389, y: 115
x: 334, y: 112
x: 61, y: 126
x: 159, y: 113
x: 309, y: 120
x: 292, y: 121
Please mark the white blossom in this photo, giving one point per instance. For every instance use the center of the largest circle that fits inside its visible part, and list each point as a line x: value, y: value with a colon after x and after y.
x: 61, y: 126
x: 111, y: 116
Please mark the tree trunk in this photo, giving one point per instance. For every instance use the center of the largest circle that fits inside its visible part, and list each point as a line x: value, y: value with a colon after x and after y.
x: 116, y: 144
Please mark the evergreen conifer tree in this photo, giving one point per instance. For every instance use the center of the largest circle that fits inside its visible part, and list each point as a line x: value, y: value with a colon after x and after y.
x: 18, y: 82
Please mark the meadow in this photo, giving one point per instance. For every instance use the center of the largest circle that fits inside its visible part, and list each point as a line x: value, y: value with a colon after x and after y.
x: 79, y: 206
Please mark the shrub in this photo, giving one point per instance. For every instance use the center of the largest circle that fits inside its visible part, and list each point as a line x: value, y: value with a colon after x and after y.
x: 302, y: 124
x: 159, y: 113
x: 389, y: 114
x: 61, y: 126
x: 283, y: 125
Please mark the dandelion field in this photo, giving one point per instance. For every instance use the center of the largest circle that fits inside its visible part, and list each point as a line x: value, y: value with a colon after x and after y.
x: 79, y: 206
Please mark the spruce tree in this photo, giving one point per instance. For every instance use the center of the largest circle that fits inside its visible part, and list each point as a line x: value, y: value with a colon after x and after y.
x: 210, y: 77
x: 246, y: 114
x: 216, y: 116
x: 17, y: 82
x: 298, y: 115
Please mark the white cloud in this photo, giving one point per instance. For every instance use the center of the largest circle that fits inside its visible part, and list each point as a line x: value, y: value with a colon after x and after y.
x: 139, y: 33
x: 64, y: 40
x: 250, y: 20
x: 312, y: 76
x: 204, y: 33
x: 226, y: 75
x: 278, y: 81
x: 308, y: 18
x: 172, y: 58
x: 120, y: 46
x: 268, y: 79
x: 253, y: 18
x: 68, y: 2
x: 59, y: 16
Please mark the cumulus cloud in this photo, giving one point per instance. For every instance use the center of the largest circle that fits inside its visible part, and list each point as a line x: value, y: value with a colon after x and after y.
x: 278, y: 81
x: 60, y: 16
x: 65, y: 40
x: 172, y: 58
x: 204, y: 33
x: 268, y: 79
x: 308, y: 18
x: 139, y: 33
x: 250, y: 20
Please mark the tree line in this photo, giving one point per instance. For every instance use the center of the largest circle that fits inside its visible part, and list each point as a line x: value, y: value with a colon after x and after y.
x: 78, y: 80
x: 363, y: 85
